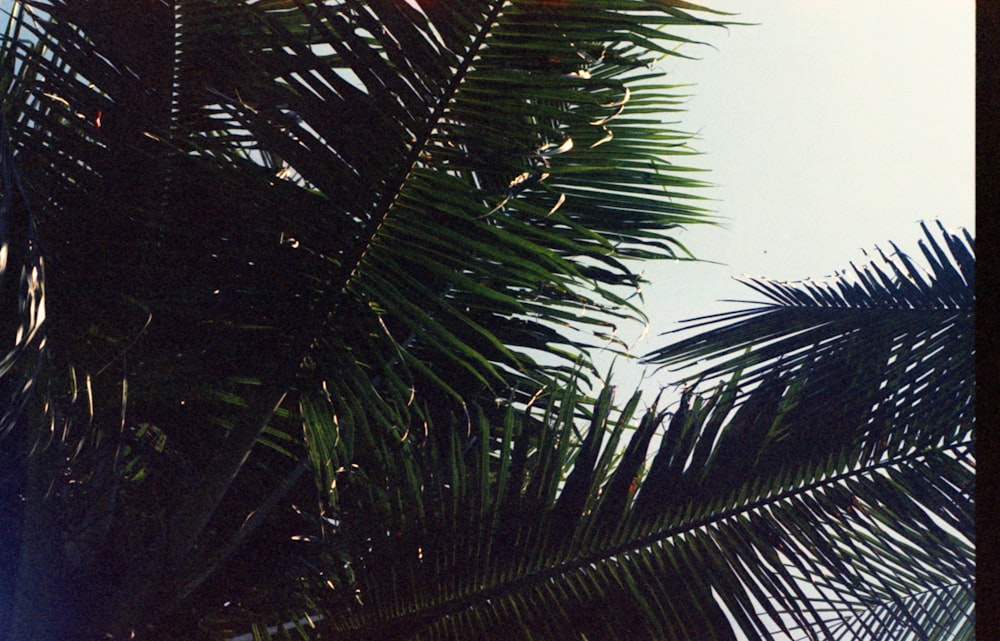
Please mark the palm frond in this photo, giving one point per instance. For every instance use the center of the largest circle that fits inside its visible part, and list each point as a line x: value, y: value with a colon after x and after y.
x: 740, y: 526
x: 890, y: 293
x: 912, y: 324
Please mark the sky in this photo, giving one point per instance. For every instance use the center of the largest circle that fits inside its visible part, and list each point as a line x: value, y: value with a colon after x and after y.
x: 829, y: 127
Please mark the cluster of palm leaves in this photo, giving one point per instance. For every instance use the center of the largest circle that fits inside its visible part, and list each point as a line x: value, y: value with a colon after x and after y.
x: 821, y: 490
x: 305, y: 293
x: 246, y: 216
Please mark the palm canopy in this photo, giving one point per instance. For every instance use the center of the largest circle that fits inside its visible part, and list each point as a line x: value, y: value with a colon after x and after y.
x: 787, y: 503
x: 249, y: 213
x: 383, y: 187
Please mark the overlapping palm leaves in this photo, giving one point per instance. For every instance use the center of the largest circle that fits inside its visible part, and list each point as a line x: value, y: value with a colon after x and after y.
x: 355, y: 200
x: 906, y: 320
x: 373, y: 183
x: 345, y: 200
x: 787, y: 503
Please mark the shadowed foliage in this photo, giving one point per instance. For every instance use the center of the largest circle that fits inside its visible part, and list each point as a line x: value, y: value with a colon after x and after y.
x: 249, y: 240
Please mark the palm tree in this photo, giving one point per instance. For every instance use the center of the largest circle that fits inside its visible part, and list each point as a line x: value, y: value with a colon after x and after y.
x: 247, y: 240
x: 824, y: 495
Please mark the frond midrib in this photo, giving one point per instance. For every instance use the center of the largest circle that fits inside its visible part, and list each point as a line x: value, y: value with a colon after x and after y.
x: 352, y: 261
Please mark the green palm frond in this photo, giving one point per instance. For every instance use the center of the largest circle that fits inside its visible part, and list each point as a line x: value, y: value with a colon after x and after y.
x: 826, y: 498
x: 889, y: 304
x: 740, y: 526
x: 913, y: 325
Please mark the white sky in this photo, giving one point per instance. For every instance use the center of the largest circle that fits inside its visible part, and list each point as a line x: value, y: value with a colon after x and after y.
x: 830, y: 127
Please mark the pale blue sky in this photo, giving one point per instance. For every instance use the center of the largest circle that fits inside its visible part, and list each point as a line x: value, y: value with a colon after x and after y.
x: 829, y: 127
